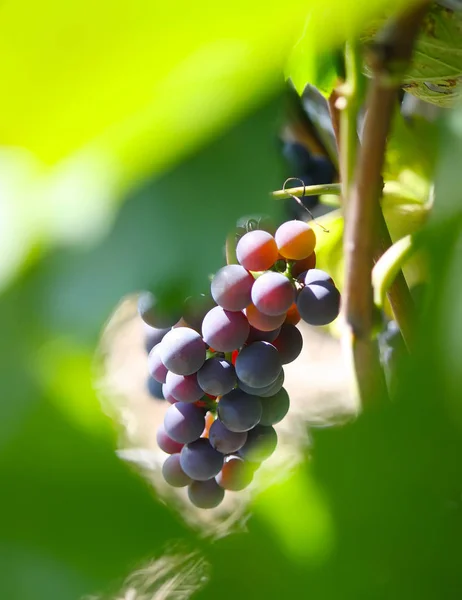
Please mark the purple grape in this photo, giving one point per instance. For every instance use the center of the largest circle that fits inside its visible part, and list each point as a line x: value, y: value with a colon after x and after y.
x: 216, y: 376
x: 224, y: 440
x: 273, y: 294
x: 184, y: 423
x: 156, y: 367
x: 166, y: 394
x: 200, y: 461
x: 258, y: 364
x: 184, y: 388
x: 231, y: 287
x: 195, y: 308
x: 152, y: 314
x: 173, y: 473
x: 319, y: 304
x: 289, y: 343
x: 260, y: 445
x: 224, y: 330
x: 274, y: 408
x: 182, y: 351
x: 153, y: 336
x: 235, y: 475
x: 264, y: 392
x: 166, y: 443
x: 155, y: 388
x: 256, y: 335
x: 239, y: 411
x: 314, y: 276
x: 205, y: 494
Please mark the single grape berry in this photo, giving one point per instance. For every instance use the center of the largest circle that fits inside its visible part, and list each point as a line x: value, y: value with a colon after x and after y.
x: 217, y: 376
x: 273, y: 294
x: 239, y: 411
x: 156, y: 367
x: 258, y: 364
x: 166, y: 443
x: 261, y: 321
x: 182, y: 351
x: 200, y: 461
x: 153, y: 314
x: 224, y: 440
x: 260, y: 445
x: 314, y: 276
x: 224, y: 330
x: 319, y: 304
x: 231, y: 287
x: 173, y: 473
x: 205, y: 494
x: 184, y: 423
x: 257, y: 250
x: 289, y: 343
x: 274, y: 408
x: 235, y: 475
x: 295, y: 240
x: 304, y: 264
x: 184, y: 388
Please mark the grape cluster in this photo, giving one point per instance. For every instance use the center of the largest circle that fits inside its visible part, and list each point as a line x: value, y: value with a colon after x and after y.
x: 220, y: 363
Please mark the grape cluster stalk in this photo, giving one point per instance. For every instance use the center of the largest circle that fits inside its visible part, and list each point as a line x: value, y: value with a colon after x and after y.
x: 220, y: 363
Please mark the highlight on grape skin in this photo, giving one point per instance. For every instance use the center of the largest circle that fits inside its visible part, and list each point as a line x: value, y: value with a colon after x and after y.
x: 257, y: 250
x: 165, y: 443
x: 235, y: 474
x: 231, y: 287
x: 184, y: 423
x: 314, y: 276
x: 273, y: 294
x: 184, y: 388
x: 295, y: 240
x: 182, y: 351
x: 156, y: 367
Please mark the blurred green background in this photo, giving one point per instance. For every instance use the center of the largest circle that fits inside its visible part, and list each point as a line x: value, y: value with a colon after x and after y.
x: 132, y: 137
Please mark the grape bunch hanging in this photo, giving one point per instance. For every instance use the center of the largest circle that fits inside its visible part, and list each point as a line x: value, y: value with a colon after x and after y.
x: 221, y: 364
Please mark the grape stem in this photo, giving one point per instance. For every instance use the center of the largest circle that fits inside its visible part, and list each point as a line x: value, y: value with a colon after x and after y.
x: 309, y: 190
x: 389, y: 56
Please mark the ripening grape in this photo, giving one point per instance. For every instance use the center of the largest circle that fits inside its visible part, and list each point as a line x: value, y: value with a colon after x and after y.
x: 261, y: 321
x: 156, y: 367
x: 209, y: 421
x: 260, y: 445
x: 200, y: 461
x: 319, y: 304
x: 293, y: 316
x: 295, y: 240
x: 152, y: 314
x: 184, y: 423
x: 166, y: 393
x: 173, y: 473
x: 184, y: 388
x: 231, y: 287
x: 274, y: 408
x: 314, y: 276
x: 273, y: 294
x: 217, y: 376
x: 257, y: 250
x: 289, y: 343
x: 235, y: 475
x: 239, y: 411
x: 195, y: 308
x: 299, y: 266
x: 258, y: 364
x: 182, y: 351
x: 166, y: 443
x: 224, y: 330
x: 224, y: 440
x: 205, y: 494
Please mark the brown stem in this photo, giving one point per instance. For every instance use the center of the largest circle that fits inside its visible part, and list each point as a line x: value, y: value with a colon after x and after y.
x: 364, y: 222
